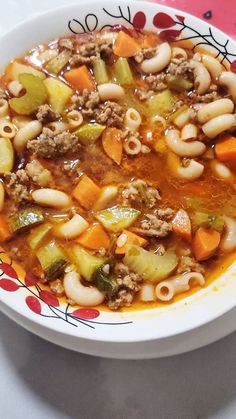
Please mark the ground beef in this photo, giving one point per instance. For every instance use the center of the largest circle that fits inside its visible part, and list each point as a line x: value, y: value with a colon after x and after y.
x: 39, y: 175
x: 207, y: 98
x: 91, y: 51
x: 143, y: 94
x: 45, y: 114
x: 50, y: 144
x: 57, y: 287
x: 72, y: 169
x: 17, y: 186
x: 157, y: 82
x: 128, y: 283
x: 189, y: 264
x: 109, y: 113
x: 140, y: 192
x: 66, y: 43
x: 144, y: 54
x: 184, y: 69
x: 157, y: 224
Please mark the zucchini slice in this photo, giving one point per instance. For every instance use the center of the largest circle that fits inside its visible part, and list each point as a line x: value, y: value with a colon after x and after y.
x: 85, y: 262
x: 149, y: 266
x: 117, y: 218
x: 52, y: 260
x: 26, y: 218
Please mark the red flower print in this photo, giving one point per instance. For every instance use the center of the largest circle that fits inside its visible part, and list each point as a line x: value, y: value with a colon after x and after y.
x: 34, y: 304
x: 162, y: 21
x: 139, y: 20
x: 49, y: 298
x: 8, y: 285
x: 86, y: 313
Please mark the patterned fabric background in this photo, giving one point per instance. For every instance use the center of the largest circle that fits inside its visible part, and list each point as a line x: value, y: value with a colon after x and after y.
x: 221, y: 13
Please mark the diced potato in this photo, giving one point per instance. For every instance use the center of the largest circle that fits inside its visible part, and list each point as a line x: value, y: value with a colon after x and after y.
x: 15, y: 69
x: 59, y: 93
x: 6, y: 155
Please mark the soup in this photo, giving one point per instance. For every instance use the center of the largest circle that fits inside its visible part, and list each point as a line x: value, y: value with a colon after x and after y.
x: 117, y: 163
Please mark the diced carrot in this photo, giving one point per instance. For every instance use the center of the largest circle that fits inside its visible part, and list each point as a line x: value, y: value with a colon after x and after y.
x: 94, y: 238
x: 181, y: 225
x: 131, y: 239
x: 80, y: 78
x: 225, y: 148
x: 125, y: 45
x: 205, y: 243
x: 86, y: 192
x: 5, y: 233
x: 112, y: 144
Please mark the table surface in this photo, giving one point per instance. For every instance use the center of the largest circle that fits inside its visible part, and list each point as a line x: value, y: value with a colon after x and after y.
x: 40, y: 380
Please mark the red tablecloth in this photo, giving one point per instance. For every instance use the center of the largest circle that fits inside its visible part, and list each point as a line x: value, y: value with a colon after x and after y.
x: 221, y: 13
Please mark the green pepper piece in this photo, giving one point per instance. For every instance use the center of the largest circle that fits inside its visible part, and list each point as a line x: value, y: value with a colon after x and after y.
x: 89, y: 133
x: 100, y: 71
x: 56, y: 64
x: 122, y: 72
x: 208, y: 220
x: 179, y: 83
x: 26, y: 218
x: 36, y: 95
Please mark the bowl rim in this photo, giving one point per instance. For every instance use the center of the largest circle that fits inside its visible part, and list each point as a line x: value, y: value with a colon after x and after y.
x: 143, y: 5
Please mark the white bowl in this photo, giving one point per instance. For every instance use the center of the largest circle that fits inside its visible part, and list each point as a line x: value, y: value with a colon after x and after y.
x: 190, y: 323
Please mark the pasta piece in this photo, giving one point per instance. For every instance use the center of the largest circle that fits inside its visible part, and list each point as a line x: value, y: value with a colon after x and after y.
x: 132, y: 119
x: 27, y: 133
x: 166, y: 290
x: 159, y: 62
x: 84, y: 296
x: 182, y: 148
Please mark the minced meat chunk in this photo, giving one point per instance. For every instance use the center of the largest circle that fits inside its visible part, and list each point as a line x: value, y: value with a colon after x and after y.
x: 157, y: 224
x: 91, y: 51
x: 39, y: 175
x: 66, y: 43
x: 206, y: 98
x: 157, y: 82
x: 189, y: 264
x: 144, y: 54
x: 45, y: 114
x: 184, y: 69
x: 50, y: 144
x: 57, y: 287
x: 128, y: 283
x: 109, y: 113
x: 17, y: 186
x: 139, y: 191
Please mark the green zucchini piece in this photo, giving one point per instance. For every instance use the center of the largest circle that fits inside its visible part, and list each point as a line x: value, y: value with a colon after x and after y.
x: 208, y: 220
x: 52, y: 260
x: 150, y: 267
x: 122, y: 72
x: 26, y: 218
x: 89, y: 133
x: 58, y: 93
x: 105, y: 282
x: 100, y: 71
x: 161, y: 103
x: 39, y: 234
x: 117, y: 218
x: 6, y: 155
x: 18, y: 68
x: 36, y: 95
x: 179, y: 83
x: 85, y: 262
x: 56, y: 64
